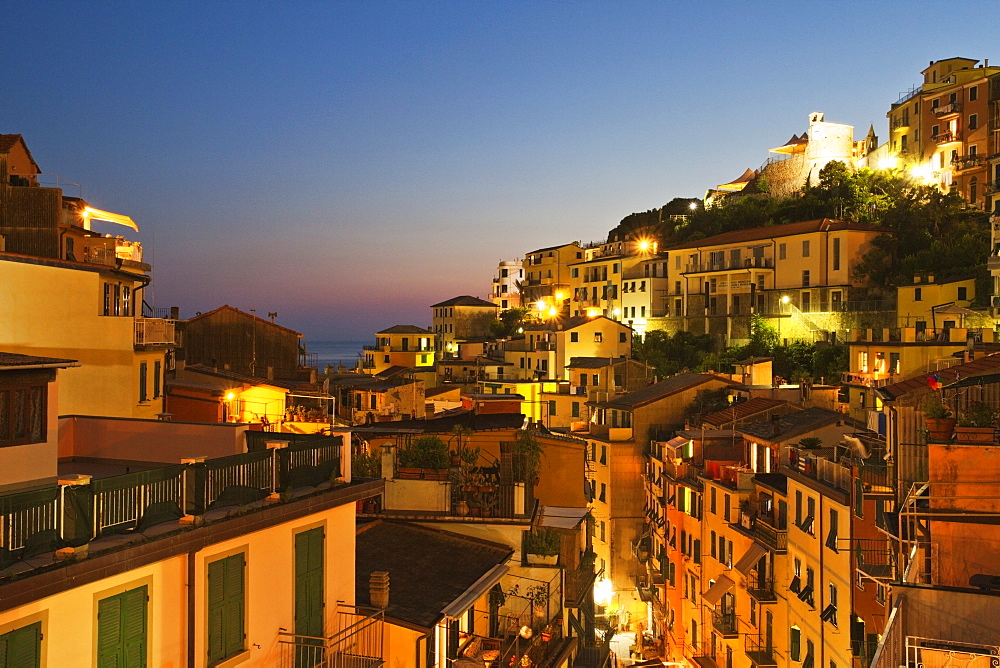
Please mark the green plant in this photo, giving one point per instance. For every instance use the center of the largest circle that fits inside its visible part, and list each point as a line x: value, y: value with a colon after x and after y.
x: 528, y: 462
x: 543, y: 541
x: 366, y: 465
x: 427, y: 452
x: 978, y: 414
x: 935, y: 410
x: 538, y: 594
x: 811, y: 442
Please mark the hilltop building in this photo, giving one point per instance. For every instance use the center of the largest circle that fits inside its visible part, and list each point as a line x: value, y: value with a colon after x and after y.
x: 506, y: 291
x: 461, y: 319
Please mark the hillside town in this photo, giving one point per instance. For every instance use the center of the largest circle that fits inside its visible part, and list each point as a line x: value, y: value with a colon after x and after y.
x: 706, y: 440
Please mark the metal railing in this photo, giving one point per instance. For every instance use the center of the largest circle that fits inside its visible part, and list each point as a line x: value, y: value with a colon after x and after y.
x: 760, y: 649
x: 355, y: 643
x: 760, y: 588
x: 724, y: 621
x: 122, y: 502
x: 26, y: 514
x: 765, y: 532
x: 819, y: 468
x: 155, y: 331
x: 248, y: 470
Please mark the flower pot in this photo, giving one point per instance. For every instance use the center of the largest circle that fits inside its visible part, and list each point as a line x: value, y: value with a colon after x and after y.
x: 975, y: 435
x: 940, y: 429
x: 462, y: 508
x: 408, y: 473
x: 434, y: 474
x: 543, y: 559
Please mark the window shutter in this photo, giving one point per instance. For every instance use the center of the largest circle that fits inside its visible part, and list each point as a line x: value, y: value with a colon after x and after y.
x: 22, y: 648
x: 109, y: 630
x: 134, y: 627
x: 234, y: 604
x: 216, y: 600
x: 309, y: 599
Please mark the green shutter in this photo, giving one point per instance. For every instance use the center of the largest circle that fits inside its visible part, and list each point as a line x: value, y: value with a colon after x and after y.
x: 225, y: 607
x: 22, y: 648
x: 309, y: 571
x: 121, y: 630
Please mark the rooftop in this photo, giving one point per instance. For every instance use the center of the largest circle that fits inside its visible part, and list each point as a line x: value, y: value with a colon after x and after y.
x: 428, y: 568
x: 665, y: 388
x: 404, y: 329
x: 984, y: 365
x: 774, y: 231
x: 465, y: 300
x: 791, y: 425
x: 743, y: 410
x: 18, y: 361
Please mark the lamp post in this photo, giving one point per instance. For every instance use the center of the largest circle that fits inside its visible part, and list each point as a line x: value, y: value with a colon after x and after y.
x: 781, y: 311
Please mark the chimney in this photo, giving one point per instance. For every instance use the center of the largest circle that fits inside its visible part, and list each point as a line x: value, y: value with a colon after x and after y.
x: 775, y: 425
x: 930, y: 278
x: 916, y: 279
x: 378, y: 589
x: 175, y: 312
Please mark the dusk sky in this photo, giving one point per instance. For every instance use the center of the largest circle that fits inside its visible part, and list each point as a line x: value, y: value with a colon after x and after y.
x: 348, y: 164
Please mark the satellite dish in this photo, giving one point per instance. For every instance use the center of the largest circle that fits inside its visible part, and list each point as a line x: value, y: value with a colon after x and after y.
x: 857, y: 448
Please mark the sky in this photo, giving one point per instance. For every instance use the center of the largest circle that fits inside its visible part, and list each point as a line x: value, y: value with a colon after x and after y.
x: 349, y: 164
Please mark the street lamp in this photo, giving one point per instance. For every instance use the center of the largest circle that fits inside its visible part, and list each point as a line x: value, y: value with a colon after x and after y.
x: 781, y: 311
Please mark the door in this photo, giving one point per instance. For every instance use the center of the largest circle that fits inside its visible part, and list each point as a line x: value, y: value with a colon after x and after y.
x: 309, y: 601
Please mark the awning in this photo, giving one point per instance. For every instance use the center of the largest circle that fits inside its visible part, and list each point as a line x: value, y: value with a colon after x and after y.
x: 750, y: 558
x: 468, y: 598
x: 90, y: 213
x: 715, y: 592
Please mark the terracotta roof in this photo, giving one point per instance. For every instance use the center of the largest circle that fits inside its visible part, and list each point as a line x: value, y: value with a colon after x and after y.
x: 464, y: 300
x: 428, y: 568
x: 743, y: 410
x: 665, y: 388
x: 593, y: 362
x: 984, y: 365
x: 249, y: 315
x: 404, y: 329
x: 551, y: 248
x: 570, y: 323
x: 474, y: 421
x: 15, y: 360
x: 243, y: 378
x: 773, y: 231
x: 793, y: 424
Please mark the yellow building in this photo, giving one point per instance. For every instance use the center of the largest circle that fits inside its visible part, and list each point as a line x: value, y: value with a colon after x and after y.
x: 79, y: 294
x: 926, y: 304
x: 547, y: 347
x: 941, y: 132
x: 461, y: 319
x: 156, y: 566
x: 547, y: 277
x: 798, y: 275
x: 400, y: 345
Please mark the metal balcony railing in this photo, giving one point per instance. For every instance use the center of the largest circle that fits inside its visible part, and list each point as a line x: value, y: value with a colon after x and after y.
x: 155, y: 332
x: 355, y: 643
x: 764, y: 530
x: 724, y: 621
x: 760, y: 650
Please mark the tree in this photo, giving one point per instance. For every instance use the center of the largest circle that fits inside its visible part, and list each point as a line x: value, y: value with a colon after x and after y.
x: 508, y: 322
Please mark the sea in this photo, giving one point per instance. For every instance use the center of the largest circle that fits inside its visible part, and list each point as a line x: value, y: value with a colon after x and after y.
x: 335, y: 353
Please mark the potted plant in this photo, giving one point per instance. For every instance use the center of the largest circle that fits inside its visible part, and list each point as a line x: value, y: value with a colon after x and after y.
x: 977, y: 424
x: 937, y: 417
x: 811, y: 443
x: 427, y: 458
x: 539, y: 597
x: 541, y: 546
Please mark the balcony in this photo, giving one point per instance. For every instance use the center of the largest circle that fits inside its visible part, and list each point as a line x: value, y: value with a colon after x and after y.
x: 871, y: 379
x: 761, y: 589
x: 819, y: 468
x: 964, y: 162
x: 991, y: 187
x: 729, y: 265
x: 764, y: 530
x: 760, y: 650
x: 111, y: 252
x: 900, y: 124
x: 874, y: 558
x: 947, y: 137
x: 357, y: 642
x: 724, y: 621
x: 952, y: 109
x: 155, y: 332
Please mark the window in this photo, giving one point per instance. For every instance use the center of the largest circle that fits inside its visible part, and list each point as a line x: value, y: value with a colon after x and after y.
x: 226, y: 607
x: 575, y: 410
x: 918, y: 294
x: 622, y: 337
x: 126, y: 300
x: 963, y: 294
x: 725, y: 507
x: 805, y: 248
x: 805, y: 278
x: 121, y: 629
x: 809, y: 660
x: 604, y: 498
x: 782, y: 251
x: 934, y: 131
x: 712, y: 547
x: 831, y: 537
x: 142, y: 382
x: 552, y: 407
x: 157, y: 368
x: 973, y: 93
x: 22, y: 648
x: 795, y: 643
x: 22, y: 414
x: 614, y: 268
x: 836, y: 253
x: 798, y: 507
x: 711, y: 500
x: 574, y: 337
x: 642, y: 286
x: 973, y: 121
x: 598, y: 337
x: 830, y: 611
